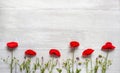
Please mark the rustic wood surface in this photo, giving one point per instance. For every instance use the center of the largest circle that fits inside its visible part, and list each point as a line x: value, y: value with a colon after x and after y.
x: 45, y: 24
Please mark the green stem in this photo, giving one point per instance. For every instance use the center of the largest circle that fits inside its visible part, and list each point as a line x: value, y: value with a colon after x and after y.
x: 51, y: 65
x: 42, y: 67
x: 11, y: 64
x: 91, y: 65
x: 106, y: 57
x: 73, y: 61
x: 15, y: 68
x: 86, y: 66
x: 42, y: 70
x: 68, y: 66
x: 30, y: 66
x: 96, y: 66
x: 104, y: 66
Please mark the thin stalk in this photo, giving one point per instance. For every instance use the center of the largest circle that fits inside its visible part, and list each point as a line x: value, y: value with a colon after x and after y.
x: 73, y: 61
x: 104, y: 66
x: 76, y: 66
x: 86, y: 66
x: 96, y: 66
x: 42, y: 65
x: 11, y: 64
x: 15, y: 68
x: 51, y: 65
x: 91, y: 65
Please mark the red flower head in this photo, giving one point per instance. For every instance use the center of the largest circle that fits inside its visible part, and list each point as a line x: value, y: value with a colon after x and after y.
x: 87, y: 52
x: 108, y: 46
x: 74, y: 44
x: 12, y: 45
x: 54, y: 52
x: 30, y: 53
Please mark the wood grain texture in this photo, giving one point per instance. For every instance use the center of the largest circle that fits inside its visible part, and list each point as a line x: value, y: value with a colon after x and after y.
x: 45, y: 24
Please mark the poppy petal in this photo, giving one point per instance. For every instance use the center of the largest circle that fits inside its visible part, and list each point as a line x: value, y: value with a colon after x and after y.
x: 30, y: 52
x: 12, y: 45
x: 87, y: 52
x: 108, y: 46
x: 54, y: 52
x: 74, y: 44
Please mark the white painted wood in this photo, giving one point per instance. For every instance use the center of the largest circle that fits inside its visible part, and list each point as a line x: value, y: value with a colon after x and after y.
x: 85, y: 4
x: 45, y: 24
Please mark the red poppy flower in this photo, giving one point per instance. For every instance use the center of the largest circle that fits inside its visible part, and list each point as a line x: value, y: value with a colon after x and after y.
x: 108, y: 46
x: 54, y: 52
x: 12, y: 45
x: 30, y: 52
x: 87, y: 52
x: 74, y: 44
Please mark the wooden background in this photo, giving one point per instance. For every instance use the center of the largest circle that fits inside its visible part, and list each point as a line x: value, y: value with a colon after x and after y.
x: 45, y: 24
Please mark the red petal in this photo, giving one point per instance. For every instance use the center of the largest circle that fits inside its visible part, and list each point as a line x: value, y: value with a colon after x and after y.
x: 108, y: 46
x: 30, y: 52
x: 54, y: 52
x: 12, y: 45
x: 87, y: 52
x: 74, y: 44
